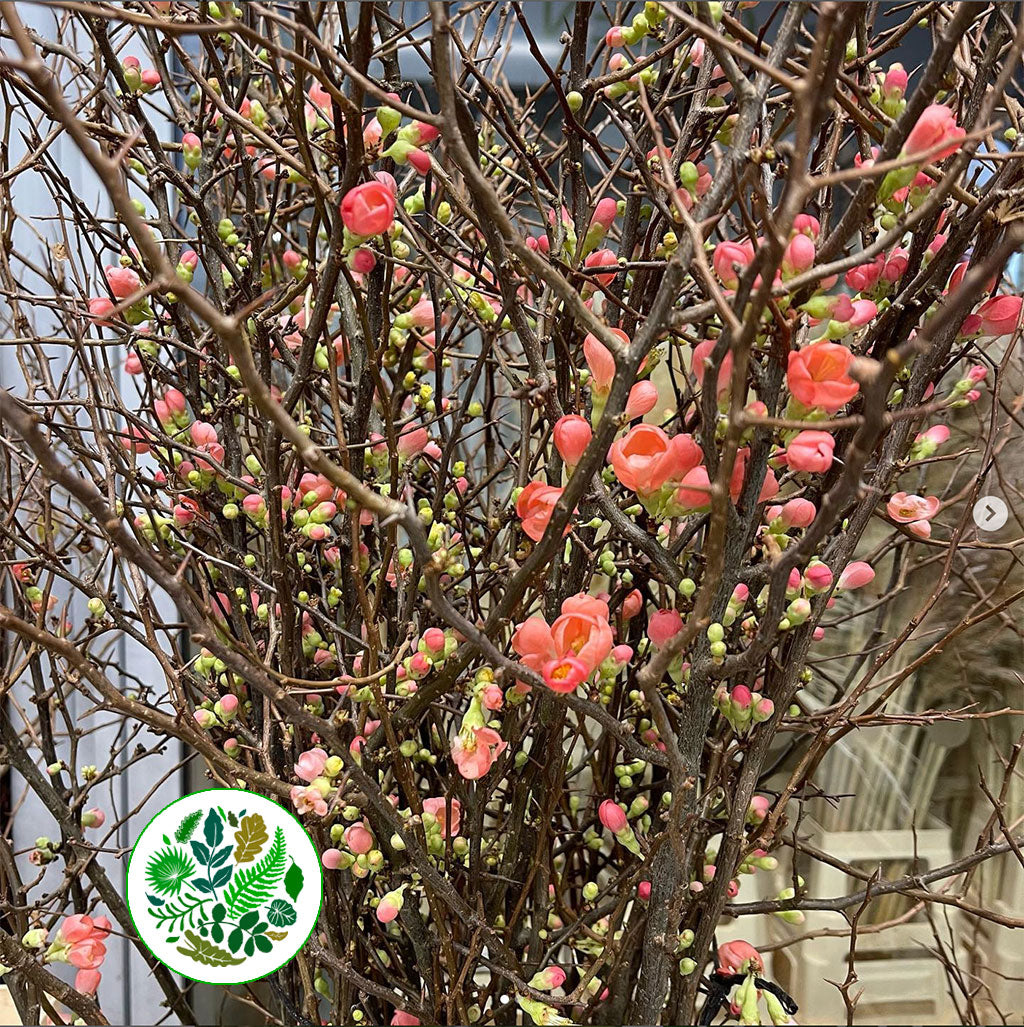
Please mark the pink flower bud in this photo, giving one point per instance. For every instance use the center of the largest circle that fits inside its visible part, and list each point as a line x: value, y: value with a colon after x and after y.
x: 93, y: 817
x: 331, y: 858
x: 811, y: 451
x: 368, y: 209
x: 603, y: 258
x: 798, y: 513
x: 798, y: 256
x: 362, y: 260
x: 492, y: 697
x: 632, y: 604
x: 613, y: 816
x: 643, y: 397
x: 605, y: 213
x: 358, y: 839
x: 572, y: 435
x: 434, y: 638
x: 856, y: 575
x: 643, y: 890
x: 818, y: 577
x: 664, y: 625
x: 741, y: 697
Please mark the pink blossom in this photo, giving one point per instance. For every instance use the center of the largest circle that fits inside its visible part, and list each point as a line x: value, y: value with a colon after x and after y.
x: 308, y: 800
x: 1000, y: 315
x: 817, y: 376
x: 906, y: 508
x: 311, y: 764
x: 581, y: 631
x: 645, y: 458
x: 936, y: 127
x: 564, y: 675
x: 123, y: 281
x: 642, y: 399
x: 811, y: 451
x: 368, y: 209
x: 412, y: 440
x: 475, y: 752
x: 601, y: 362
x: 729, y: 258
x: 403, y: 1019
x: 535, y: 506
x: 447, y: 813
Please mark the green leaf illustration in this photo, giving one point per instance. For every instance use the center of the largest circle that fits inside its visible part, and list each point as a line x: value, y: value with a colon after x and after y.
x: 188, y: 826
x: 251, y: 837
x: 255, y: 884
x: 263, y: 943
x: 277, y: 935
x: 281, y: 913
x: 173, y: 915
x: 206, y: 952
x: 213, y: 829
x: 293, y: 881
x: 168, y: 870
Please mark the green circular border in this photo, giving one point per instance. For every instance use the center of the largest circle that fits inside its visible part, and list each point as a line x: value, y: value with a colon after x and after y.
x: 248, y: 795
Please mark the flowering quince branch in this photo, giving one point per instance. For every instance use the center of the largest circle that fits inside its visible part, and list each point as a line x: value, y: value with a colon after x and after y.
x: 524, y: 468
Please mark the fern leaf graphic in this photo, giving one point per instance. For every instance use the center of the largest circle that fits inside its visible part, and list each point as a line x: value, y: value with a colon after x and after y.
x: 188, y: 826
x: 254, y: 885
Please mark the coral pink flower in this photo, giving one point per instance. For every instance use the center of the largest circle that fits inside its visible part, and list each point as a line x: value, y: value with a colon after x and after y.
x: 856, y: 575
x: 311, y: 764
x: 448, y: 814
x: 811, y: 451
x: 475, y: 753
x: 204, y: 437
x: 613, y: 816
x: 368, y: 209
x: 564, y: 675
x: 906, y: 508
x: 694, y: 493
x: 403, y: 1019
x: 729, y: 258
x: 87, y: 981
x: 769, y: 487
x: 581, y: 631
x: 817, y: 376
x: 534, y: 507
x: 603, y: 258
x: 572, y: 436
x: 331, y: 859
x: 935, y: 127
x: 123, y: 281
x: 605, y: 213
x: 632, y: 604
x: 738, y: 957
x: 645, y: 458
x: 798, y: 256
x: 701, y: 354
x: 642, y: 399
x: 80, y: 941
x: 1000, y: 315
x: 412, y: 440
x: 798, y: 513
x: 99, y: 308
x: 601, y: 362
x: 664, y: 625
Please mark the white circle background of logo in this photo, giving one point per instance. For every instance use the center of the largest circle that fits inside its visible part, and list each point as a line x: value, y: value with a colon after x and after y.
x: 277, y: 888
